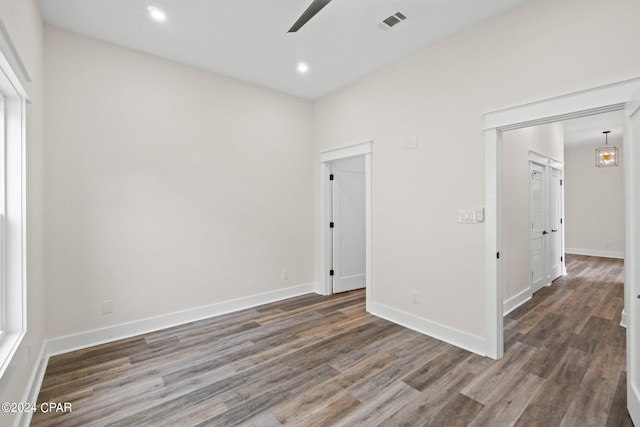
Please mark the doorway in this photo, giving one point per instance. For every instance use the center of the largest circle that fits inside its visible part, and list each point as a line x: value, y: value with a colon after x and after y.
x: 623, y: 96
x: 347, y: 270
x: 328, y: 160
x: 531, y: 252
x: 614, y: 97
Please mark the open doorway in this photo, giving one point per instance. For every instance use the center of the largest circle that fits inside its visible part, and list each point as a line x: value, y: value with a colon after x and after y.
x: 615, y: 97
x: 556, y: 201
x: 351, y: 159
x: 622, y: 96
x: 532, y: 211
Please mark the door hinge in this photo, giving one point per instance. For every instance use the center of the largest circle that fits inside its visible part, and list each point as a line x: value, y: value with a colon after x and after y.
x: 330, y: 272
x: 562, y: 182
x: 498, y: 255
x: 561, y: 259
x: 560, y: 220
x: 331, y: 224
x: 330, y: 177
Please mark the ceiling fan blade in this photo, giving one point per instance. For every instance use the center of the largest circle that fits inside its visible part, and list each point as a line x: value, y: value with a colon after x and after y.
x: 311, y: 11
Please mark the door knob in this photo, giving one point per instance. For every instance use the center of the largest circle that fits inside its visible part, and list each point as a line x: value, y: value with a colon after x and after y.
x: 554, y: 231
x: 545, y: 232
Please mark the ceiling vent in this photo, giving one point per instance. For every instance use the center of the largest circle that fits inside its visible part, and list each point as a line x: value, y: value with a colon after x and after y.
x: 392, y: 21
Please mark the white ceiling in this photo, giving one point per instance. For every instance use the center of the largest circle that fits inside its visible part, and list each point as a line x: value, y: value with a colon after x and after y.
x: 588, y: 130
x: 248, y: 39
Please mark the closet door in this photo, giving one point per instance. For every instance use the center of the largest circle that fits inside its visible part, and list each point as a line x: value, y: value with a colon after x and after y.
x: 537, y: 207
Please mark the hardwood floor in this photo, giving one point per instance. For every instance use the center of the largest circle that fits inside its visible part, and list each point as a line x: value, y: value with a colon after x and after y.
x: 320, y: 361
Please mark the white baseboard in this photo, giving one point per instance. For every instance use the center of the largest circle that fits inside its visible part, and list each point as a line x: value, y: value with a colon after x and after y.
x: 452, y: 336
x: 623, y: 318
x: 68, y: 343
x: 33, y: 389
x: 516, y: 301
x: 595, y: 252
x: 319, y: 289
x: 138, y: 327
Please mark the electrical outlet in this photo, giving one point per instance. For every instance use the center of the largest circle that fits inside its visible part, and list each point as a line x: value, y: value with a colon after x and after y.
x: 285, y: 274
x: 415, y: 297
x: 107, y: 307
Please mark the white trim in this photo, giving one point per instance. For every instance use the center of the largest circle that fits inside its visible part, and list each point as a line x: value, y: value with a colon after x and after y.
x: 543, y: 160
x: 14, y: 230
x: 33, y: 386
x: 623, y: 318
x: 362, y: 149
x: 611, y: 97
x: 597, y: 100
x: 348, y: 151
x: 493, y: 245
x: 444, y: 333
x: 369, y: 236
x: 538, y: 158
x: 100, y: 336
x: 324, y: 287
x: 595, y: 252
x: 516, y: 301
x: 9, y: 51
x: 632, y: 252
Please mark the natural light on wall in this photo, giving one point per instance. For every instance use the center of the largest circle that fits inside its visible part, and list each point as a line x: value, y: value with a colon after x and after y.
x: 607, y: 155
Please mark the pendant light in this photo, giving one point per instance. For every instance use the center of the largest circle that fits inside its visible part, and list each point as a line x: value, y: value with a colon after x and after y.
x: 607, y: 155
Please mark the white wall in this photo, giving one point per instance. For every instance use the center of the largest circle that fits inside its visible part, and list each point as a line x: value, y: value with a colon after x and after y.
x: 546, y: 140
x: 168, y: 187
x: 538, y: 50
x: 24, y: 25
x: 594, y: 203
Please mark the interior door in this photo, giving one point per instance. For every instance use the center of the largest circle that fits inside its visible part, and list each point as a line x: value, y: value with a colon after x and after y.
x: 349, y: 234
x: 554, y: 226
x: 538, y: 233
x: 632, y: 258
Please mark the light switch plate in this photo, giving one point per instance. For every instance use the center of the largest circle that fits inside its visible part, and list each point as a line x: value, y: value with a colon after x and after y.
x: 467, y: 216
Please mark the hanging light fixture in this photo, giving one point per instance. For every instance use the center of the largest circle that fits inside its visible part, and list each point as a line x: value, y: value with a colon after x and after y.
x: 607, y: 155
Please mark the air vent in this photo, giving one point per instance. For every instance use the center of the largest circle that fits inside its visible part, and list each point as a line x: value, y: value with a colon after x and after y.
x: 393, y: 20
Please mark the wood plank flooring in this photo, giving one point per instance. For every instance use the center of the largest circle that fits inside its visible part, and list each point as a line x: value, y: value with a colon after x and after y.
x: 321, y: 361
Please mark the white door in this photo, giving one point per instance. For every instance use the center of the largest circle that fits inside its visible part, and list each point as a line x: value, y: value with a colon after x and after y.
x: 538, y: 232
x: 632, y: 258
x: 349, y: 234
x: 554, y: 226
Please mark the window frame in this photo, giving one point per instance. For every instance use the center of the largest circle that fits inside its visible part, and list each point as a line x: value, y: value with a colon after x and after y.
x: 13, y: 277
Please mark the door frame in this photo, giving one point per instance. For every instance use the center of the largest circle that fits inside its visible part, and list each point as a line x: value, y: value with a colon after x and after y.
x: 632, y: 263
x: 326, y: 157
x: 593, y: 101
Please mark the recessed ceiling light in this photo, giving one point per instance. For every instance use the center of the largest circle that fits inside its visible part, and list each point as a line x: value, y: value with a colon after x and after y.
x: 156, y: 14
x: 303, y: 67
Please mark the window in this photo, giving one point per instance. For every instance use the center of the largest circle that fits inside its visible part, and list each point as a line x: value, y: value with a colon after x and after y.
x: 3, y: 320
x: 13, y: 302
